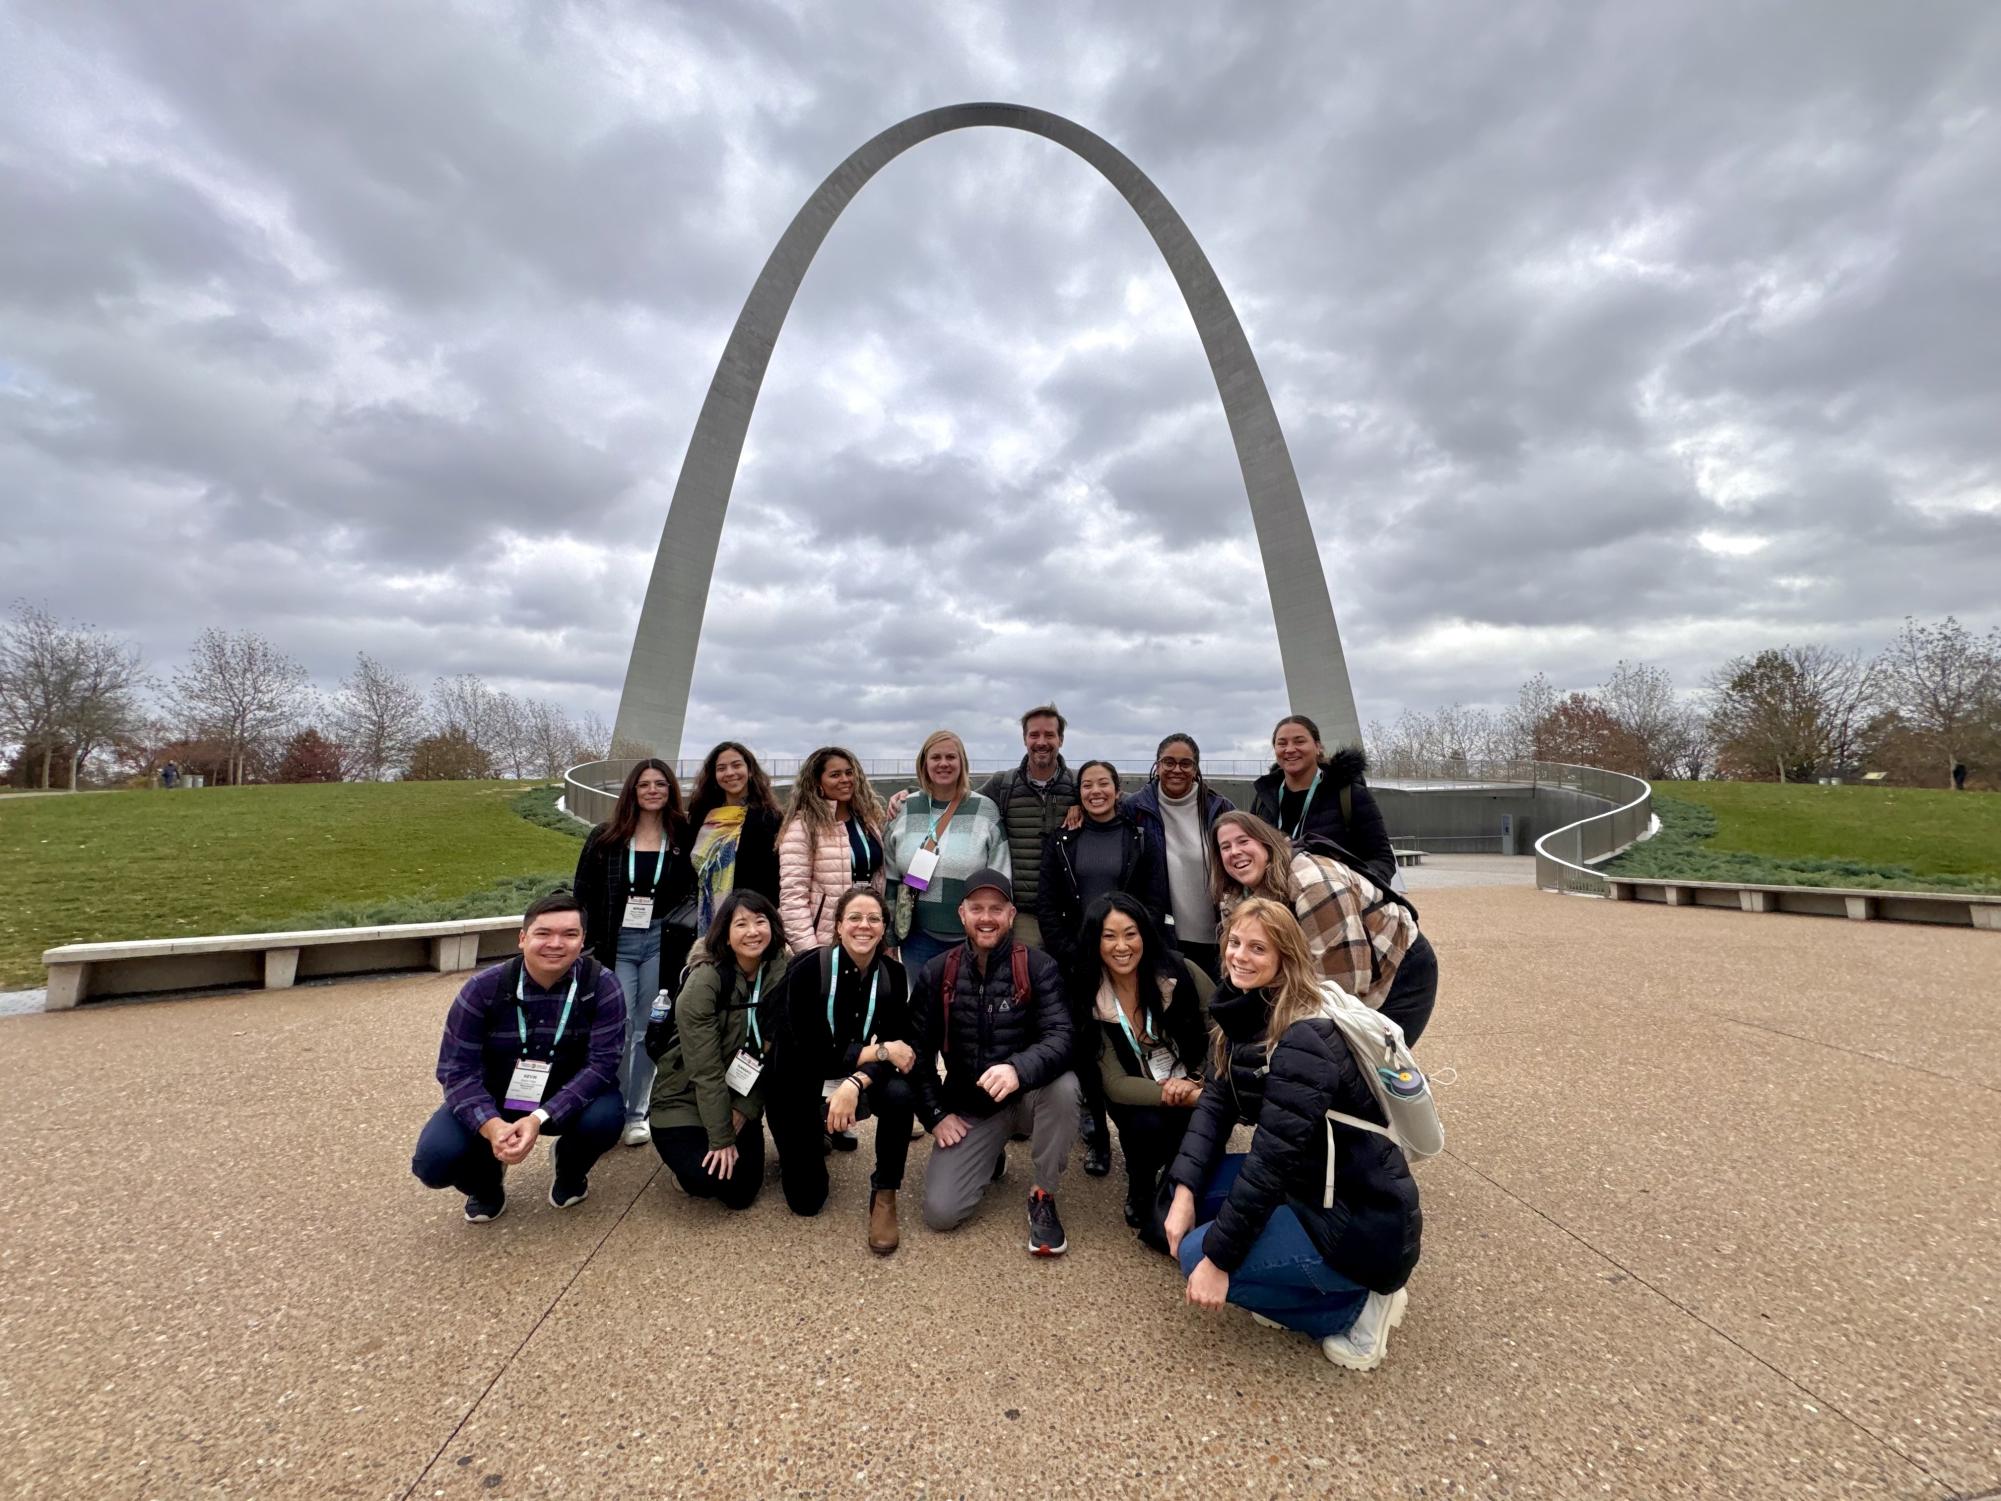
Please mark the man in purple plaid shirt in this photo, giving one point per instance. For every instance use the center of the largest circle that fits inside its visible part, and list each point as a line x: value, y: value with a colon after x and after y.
x: 531, y: 1049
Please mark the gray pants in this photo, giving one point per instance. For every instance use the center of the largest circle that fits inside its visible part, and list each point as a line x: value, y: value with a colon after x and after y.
x: 955, y: 1177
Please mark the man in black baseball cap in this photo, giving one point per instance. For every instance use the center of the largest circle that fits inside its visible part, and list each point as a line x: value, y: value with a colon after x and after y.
x: 995, y: 1010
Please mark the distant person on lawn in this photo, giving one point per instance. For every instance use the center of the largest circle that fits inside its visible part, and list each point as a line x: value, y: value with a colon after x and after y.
x: 531, y: 1049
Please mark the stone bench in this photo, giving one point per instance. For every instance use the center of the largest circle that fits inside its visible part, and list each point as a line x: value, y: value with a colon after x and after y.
x: 1408, y: 857
x: 1954, y: 909
x: 99, y: 971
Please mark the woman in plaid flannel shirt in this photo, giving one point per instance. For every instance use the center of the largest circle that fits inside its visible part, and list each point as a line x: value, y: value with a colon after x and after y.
x: 1362, y: 937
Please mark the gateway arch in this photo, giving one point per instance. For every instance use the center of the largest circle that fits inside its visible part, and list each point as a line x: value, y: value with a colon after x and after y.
x: 654, y: 705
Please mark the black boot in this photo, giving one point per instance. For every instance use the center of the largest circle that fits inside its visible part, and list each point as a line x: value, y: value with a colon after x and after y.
x: 1097, y: 1143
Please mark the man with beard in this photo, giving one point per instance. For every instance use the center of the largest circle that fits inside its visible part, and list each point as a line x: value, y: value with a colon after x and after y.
x: 995, y: 1010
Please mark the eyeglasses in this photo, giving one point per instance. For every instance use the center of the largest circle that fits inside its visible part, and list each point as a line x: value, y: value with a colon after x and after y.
x: 1176, y: 763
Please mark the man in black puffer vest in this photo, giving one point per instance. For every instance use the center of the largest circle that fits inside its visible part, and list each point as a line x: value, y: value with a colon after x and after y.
x: 996, y: 1012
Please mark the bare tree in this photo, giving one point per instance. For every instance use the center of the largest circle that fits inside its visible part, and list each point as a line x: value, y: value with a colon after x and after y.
x: 593, y: 740
x: 240, y: 690
x: 1641, y: 697
x: 64, y: 689
x: 1945, y: 683
x: 378, y: 718
x: 513, y: 747
x: 465, y: 707
x: 552, y: 739
x: 1522, y: 725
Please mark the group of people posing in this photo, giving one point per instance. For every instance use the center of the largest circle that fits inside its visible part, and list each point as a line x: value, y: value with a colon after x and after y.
x: 1043, y: 958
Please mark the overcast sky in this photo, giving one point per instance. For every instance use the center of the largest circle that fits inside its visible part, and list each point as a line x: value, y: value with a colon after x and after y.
x: 1644, y: 330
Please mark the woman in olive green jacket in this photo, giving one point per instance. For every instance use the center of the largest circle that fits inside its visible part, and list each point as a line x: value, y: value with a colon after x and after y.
x: 708, y: 1097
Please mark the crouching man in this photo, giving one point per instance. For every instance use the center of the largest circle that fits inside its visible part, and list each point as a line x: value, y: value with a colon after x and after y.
x: 995, y: 1011
x: 531, y: 1049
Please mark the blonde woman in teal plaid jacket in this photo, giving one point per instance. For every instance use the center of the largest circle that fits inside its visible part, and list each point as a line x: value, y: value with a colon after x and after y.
x: 964, y: 829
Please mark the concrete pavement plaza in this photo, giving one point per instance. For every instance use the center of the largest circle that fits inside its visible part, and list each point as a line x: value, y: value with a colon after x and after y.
x: 1720, y: 1215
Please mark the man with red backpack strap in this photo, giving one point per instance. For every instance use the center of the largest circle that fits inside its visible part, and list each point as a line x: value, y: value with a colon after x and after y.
x: 995, y: 1011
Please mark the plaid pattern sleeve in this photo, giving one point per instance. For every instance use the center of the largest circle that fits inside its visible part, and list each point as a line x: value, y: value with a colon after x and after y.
x: 461, y: 1052
x: 607, y: 1044
x: 1358, y: 937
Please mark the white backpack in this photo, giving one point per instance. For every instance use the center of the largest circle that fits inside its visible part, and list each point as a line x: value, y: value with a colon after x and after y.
x: 1392, y: 1075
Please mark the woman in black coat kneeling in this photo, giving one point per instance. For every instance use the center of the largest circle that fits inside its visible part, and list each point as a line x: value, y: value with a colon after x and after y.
x: 845, y: 1056
x: 1322, y: 1252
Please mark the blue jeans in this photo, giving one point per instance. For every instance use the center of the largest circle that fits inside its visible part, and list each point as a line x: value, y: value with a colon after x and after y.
x: 1284, y: 1277
x: 450, y: 1156
x: 920, y: 948
x: 638, y: 971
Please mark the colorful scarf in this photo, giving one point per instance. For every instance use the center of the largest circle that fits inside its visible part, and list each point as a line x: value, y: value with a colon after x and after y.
x: 715, y: 861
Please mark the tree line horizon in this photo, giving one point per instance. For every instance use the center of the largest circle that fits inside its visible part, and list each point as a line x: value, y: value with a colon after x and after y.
x: 78, y: 708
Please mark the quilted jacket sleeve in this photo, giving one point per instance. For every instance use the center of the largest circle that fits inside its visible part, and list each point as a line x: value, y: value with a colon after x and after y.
x: 1050, y: 1054
x: 795, y: 886
x: 1289, y: 1147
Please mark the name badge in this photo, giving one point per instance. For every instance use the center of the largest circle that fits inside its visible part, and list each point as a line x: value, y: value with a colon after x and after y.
x: 742, y: 1075
x: 828, y: 1086
x: 1160, y: 1063
x: 922, y: 866
x: 526, y: 1087
x: 638, y: 912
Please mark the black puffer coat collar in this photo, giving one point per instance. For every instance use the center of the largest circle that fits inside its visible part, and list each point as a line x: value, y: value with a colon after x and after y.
x: 1243, y: 1015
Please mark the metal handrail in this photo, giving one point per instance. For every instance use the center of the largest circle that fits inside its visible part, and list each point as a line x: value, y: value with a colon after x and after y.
x: 1563, y: 857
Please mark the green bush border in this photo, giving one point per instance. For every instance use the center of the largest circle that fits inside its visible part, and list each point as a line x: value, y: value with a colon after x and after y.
x: 1680, y: 851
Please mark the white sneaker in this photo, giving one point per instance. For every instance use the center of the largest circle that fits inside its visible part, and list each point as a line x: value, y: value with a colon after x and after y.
x: 637, y: 1134
x: 1364, y: 1345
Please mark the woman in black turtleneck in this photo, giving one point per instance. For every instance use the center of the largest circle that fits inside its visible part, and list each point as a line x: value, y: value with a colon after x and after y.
x: 845, y: 1055
x: 1109, y: 850
x: 1271, y: 1230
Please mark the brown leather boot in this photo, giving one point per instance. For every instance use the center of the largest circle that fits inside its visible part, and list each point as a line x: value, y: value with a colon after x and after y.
x: 882, y: 1237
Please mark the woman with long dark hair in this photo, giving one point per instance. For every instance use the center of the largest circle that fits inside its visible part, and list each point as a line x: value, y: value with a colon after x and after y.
x: 1309, y: 794
x: 632, y: 873
x: 733, y: 820
x: 846, y: 1056
x: 708, y: 1099
x: 1145, y: 1031
x: 1362, y: 936
x: 1316, y: 1228
x: 831, y: 840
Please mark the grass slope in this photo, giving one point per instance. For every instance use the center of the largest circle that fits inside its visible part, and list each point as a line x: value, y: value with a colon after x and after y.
x: 247, y: 859
x: 1881, y: 838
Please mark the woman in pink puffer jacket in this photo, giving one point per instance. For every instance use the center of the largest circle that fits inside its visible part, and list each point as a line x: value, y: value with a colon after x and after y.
x: 831, y: 840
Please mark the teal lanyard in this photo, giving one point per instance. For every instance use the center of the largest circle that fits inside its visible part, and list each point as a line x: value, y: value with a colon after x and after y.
x: 1299, y: 827
x: 521, y: 1017
x: 834, y: 983
x: 757, y: 1032
x: 1126, y: 1026
x: 632, y: 865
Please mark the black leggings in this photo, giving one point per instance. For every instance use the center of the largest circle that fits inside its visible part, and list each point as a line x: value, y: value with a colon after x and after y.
x: 798, y: 1116
x: 1414, y: 990
x: 1151, y: 1136
x: 682, y: 1148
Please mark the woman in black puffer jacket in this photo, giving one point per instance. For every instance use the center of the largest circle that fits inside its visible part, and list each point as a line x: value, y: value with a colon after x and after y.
x: 1258, y: 1229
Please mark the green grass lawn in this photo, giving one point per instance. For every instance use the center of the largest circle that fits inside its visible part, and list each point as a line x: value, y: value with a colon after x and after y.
x: 250, y: 859
x: 1882, y: 837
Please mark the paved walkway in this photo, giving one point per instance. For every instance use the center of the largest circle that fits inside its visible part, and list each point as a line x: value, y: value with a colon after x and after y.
x: 1719, y: 1218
